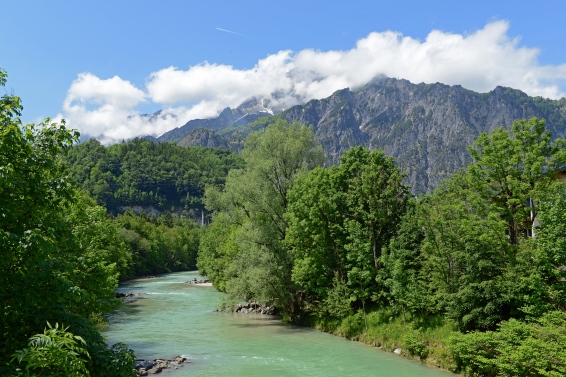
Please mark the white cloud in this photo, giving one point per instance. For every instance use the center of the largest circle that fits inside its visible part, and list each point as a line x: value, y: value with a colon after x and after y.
x: 479, y: 61
x: 105, y: 108
x: 214, y: 82
x: 114, y: 92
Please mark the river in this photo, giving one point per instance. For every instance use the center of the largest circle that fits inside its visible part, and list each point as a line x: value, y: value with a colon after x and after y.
x: 172, y: 317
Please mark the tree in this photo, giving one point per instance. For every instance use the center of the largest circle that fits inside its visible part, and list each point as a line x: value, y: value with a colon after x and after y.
x: 466, y: 256
x: 316, y: 232
x: 403, y: 260
x: 255, y: 199
x: 376, y: 198
x: 511, y: 171
x: 543, y: 260
x: 340, y: 219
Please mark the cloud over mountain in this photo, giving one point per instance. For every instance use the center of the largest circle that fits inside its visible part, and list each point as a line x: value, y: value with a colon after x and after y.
x: 478, y: 61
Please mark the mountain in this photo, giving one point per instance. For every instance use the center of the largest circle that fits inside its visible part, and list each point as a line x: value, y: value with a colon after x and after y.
x: 203, y: 137
x: 426, y: 127
x: 243, y: 115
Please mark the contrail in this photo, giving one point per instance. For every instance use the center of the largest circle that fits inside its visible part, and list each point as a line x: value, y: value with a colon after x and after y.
x: 232, y: 32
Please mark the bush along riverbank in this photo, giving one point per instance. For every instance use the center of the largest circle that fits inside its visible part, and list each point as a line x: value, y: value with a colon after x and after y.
x: 423, y: 341
x: 536, y: 347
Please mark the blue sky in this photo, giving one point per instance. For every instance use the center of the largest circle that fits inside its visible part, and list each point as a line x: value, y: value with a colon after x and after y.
x: 100, y: 64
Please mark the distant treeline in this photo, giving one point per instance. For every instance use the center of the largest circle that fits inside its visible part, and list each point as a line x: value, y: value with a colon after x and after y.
x: 164, y: 176
x: 156, y: 245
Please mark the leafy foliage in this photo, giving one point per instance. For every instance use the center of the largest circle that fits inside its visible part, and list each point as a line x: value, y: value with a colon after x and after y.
x: 142, y: 173
x: 516, y: 349
x: 344, y: 246
x: 512, y: 172
x: 340, y: 219
x: 157, y: 245
x: 59, y: 256
x: 252, y: 205
x: 56, y: 352
x: 415, y: 346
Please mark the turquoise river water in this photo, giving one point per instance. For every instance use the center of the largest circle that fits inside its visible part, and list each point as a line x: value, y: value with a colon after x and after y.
x: 172, y: 317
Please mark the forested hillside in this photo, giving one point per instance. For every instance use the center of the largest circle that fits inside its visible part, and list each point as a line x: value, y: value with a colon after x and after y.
x: 151, y: 177
x: 470, y: 277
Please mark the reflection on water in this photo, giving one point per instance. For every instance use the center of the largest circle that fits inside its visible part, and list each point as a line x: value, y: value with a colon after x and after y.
x: 171, y: 317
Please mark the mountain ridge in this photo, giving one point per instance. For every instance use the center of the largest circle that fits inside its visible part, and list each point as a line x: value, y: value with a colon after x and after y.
x: 426, y: 127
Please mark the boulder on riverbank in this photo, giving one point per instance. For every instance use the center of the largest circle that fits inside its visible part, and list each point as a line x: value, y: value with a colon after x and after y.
x: 199, y: 282
x: 254, y: 308
x: 147, y: 367
x: 204, y: 283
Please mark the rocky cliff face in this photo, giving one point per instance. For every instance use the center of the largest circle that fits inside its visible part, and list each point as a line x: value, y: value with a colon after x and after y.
x: 426, y: 127
x: 202, y: 137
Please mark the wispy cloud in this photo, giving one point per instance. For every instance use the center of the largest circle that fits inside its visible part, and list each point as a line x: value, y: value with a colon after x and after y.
x: 231, y: 32
x: 479, y: 61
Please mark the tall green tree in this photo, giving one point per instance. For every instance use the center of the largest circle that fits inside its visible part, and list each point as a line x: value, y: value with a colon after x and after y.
x: 316, y: 232
x: 512, y: 169
x: 466, y: 254
x: 340, y: 219
x: 404, y: 262
x: 256, y: 199
x: 542, y: 263
x: 376, y: 196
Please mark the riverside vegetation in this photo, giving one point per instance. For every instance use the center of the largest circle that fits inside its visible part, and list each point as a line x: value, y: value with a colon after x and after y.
x: 60, y: 258
x: 469, y: 278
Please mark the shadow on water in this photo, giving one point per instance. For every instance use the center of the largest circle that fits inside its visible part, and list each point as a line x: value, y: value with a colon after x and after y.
x: 128, y: 311
x: 268, y: 321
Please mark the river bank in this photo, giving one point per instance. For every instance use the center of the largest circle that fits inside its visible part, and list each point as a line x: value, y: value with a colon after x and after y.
x: 425, y: 344
x: 420, y: 342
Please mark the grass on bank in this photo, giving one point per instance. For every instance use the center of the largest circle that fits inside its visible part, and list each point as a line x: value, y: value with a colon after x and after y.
x: 419, y: 339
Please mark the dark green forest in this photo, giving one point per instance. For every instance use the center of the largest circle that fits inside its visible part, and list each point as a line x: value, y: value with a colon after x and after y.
x: 154, y: 196
x: 470, y: 278
x: 164, y: 177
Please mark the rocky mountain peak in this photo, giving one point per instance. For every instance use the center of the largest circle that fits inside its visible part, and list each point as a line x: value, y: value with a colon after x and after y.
x: 426, y: 127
